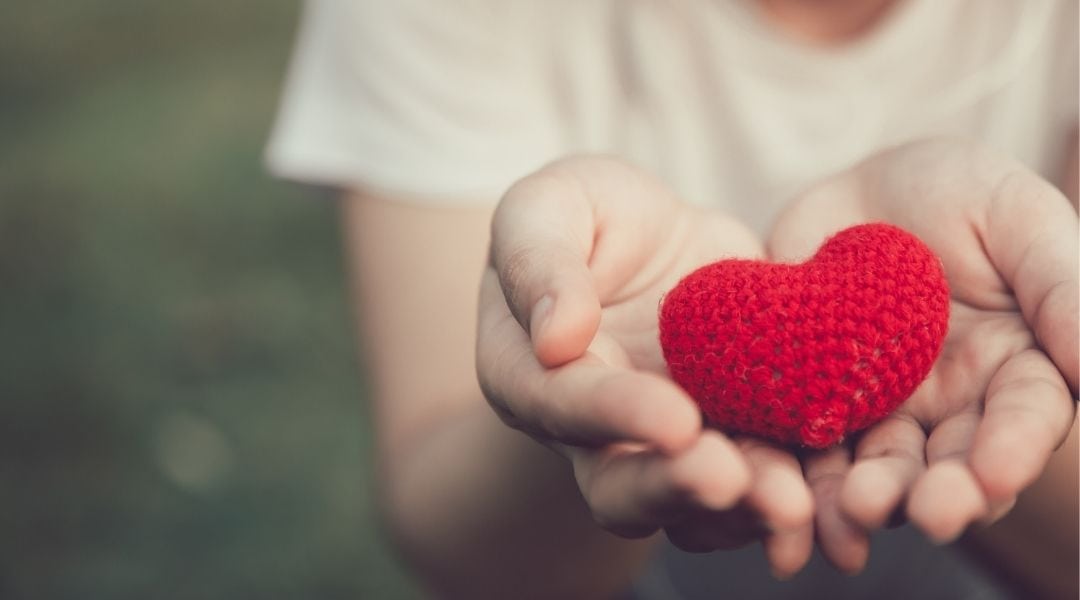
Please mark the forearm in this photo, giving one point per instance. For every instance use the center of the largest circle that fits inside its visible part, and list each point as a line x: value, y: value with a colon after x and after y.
x: 478, y: 509
x: 483, y: 511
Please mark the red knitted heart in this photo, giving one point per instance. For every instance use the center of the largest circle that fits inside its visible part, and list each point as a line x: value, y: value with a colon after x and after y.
x: 808, y: 353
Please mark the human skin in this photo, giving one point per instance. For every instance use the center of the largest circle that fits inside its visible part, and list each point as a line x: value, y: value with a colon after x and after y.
x: 1001, y: 398
x: 482, y: 509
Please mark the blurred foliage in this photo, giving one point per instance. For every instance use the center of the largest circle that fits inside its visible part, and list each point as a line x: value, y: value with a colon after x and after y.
x: 181, y: 413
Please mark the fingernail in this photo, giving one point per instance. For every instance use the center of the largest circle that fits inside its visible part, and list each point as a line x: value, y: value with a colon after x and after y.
x: 541, y: 314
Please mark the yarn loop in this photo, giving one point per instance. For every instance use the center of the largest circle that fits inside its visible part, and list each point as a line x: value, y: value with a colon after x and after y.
x: 809, y: 353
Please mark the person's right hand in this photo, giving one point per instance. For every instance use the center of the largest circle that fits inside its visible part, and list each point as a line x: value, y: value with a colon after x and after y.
x: 568, y: 352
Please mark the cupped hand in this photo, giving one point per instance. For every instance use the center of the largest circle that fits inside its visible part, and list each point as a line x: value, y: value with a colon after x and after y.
x: 568, y: 352
x: 1000, y: 398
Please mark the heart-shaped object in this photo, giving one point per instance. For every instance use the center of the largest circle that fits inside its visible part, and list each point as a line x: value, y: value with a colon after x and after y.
x: 807, y: 353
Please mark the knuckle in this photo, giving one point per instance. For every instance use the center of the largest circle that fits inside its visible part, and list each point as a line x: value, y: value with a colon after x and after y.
x: 825, y: 482
x: 1029, y: 374
x: 907, y: 457
x: 510, y: 395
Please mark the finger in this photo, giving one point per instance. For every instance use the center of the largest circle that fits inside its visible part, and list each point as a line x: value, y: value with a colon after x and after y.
x: 541, y: 239
x: 778, y: 509
x: 783, y: 502
x: 843, y: 543
x: 632, y: 492
x: 888, y: 459
x: 945, y: 500
x: 779, y: 493
x: 789, y: 551
x: 951, y: 438
x: 586, y: 402
x: 1031, y: 238
x: 1028, y: 414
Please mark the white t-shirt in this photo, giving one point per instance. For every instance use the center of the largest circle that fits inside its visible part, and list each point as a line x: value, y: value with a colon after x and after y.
x: 450, y: 102
x: 453, y: 101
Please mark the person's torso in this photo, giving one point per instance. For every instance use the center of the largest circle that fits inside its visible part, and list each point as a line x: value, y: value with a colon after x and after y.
x: 732, y: 114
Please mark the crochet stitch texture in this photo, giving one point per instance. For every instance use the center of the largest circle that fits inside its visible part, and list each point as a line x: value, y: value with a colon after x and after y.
x: 808, y: 353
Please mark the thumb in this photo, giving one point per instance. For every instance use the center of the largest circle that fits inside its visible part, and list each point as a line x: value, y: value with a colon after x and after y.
x: 1031, y: 238
x: 541, y: 240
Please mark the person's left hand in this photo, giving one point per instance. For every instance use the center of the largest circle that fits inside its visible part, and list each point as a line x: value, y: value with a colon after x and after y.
x: 1000, y: 398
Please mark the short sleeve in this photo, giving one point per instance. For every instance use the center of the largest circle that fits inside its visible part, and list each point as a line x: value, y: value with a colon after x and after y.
x: 431, y: 99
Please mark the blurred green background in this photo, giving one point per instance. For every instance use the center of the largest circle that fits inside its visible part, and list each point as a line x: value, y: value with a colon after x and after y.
x: 182, y: 414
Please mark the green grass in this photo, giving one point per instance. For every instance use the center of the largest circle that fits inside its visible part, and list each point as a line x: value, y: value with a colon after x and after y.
x: 182, y: 415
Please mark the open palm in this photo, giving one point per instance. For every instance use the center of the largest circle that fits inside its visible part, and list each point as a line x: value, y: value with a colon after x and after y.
x: 569, y: 352
x: 998, y: 401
